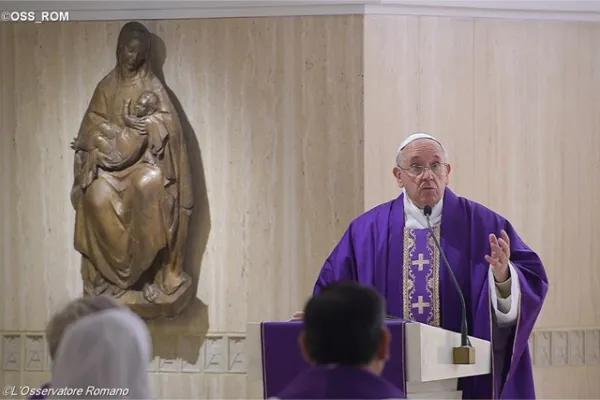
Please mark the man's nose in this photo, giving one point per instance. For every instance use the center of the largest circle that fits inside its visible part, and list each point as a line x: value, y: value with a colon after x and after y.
x: 427, y: 174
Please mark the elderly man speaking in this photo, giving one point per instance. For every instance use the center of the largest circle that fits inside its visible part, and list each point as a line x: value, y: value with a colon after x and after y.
x: 503, y: 281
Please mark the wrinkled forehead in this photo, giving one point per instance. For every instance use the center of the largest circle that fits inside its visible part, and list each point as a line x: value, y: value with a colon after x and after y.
x: 427, y: 149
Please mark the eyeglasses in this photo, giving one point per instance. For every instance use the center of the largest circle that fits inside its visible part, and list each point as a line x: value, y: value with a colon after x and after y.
x: 417, y: 170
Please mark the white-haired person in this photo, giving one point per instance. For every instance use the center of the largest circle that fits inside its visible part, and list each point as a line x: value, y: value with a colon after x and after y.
x: 103, y: 356
x: 60, y: 321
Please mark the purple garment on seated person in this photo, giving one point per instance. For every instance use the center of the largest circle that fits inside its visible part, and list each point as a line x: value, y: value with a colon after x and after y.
x: 339, y: 382
x: 40, y: 393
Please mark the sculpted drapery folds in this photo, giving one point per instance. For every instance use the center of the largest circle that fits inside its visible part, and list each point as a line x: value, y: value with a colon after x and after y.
x: 132, y: 191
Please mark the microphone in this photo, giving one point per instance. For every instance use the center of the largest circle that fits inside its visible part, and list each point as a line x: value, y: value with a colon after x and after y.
x: 465, y: 354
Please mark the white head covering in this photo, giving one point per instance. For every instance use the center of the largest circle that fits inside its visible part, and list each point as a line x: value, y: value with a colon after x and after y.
x: 109, y: 349
x: 417, y: 136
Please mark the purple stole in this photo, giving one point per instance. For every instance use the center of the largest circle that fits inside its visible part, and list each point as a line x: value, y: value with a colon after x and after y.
x: 421, y: 276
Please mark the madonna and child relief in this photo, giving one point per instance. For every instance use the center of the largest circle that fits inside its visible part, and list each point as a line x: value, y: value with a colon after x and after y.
x: 132, y: 191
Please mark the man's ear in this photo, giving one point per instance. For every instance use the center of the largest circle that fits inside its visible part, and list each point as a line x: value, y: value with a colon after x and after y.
x: 396, y: 172
x: 304, y: 348
x: 383, y: 351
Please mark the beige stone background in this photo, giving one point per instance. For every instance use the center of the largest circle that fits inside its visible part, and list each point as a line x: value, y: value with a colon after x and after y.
x: 295, y: 125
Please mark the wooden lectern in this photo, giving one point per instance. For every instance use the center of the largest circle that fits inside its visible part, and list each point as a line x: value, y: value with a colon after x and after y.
x: 429, y: 372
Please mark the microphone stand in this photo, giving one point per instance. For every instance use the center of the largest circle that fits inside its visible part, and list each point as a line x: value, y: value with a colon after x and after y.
x: 465, y: 353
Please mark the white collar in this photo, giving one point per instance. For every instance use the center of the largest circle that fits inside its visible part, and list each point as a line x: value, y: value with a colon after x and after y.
x: 414, y: 217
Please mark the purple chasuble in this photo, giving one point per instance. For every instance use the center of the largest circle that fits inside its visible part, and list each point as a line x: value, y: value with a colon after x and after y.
x: 339, y: 382
x: 373, y: 251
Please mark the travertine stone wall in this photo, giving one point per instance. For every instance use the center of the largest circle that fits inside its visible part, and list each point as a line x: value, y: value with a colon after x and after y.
x: 296, y: 122
x: 516, y: 104
x: 275, y: 106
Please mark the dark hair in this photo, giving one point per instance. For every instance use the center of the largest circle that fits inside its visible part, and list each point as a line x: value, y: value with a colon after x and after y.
x: 344, y: 324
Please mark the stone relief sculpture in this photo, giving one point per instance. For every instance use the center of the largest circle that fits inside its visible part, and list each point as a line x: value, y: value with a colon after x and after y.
x: 132, y: 191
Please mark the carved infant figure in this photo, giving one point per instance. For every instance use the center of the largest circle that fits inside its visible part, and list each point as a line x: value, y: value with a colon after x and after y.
x: 120, y: 148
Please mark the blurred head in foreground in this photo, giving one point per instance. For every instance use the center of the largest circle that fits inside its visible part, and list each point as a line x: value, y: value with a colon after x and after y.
x: 345, y: 325
x: 75, y: 310
x: 105, y: 355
